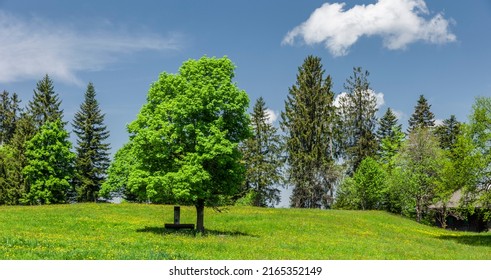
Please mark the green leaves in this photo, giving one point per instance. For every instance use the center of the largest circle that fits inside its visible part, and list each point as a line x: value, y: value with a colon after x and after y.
x: 185, y: 138
x: 49, y: 167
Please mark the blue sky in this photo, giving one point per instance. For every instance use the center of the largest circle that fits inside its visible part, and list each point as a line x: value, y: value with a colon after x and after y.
x: 437, y: 48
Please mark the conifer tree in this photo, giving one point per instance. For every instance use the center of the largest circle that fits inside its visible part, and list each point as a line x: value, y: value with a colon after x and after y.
x: 386, y: 125
x: 358, y: 121
x: 92, y: 152
x: 262, y: 154
x: 422, y: 116
x: 390, y: 137
x: 24, y: 131
x: 448, y: 132
x: 308, y: 121
x: 45, y: 105
x: 9, y: 114
x: 10, y: 176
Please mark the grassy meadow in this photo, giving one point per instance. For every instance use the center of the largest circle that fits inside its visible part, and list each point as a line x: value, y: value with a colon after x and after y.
x: 136, y: 231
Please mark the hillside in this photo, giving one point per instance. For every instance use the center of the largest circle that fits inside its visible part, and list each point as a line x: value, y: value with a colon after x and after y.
x: 135, y: 231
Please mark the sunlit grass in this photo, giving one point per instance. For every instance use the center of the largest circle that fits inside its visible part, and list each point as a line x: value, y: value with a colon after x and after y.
x: 136, y: 231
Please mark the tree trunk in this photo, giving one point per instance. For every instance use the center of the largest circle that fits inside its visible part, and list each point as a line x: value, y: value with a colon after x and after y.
x: 200, y: 215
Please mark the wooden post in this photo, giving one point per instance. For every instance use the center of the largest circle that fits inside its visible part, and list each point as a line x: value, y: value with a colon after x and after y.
x: 177, y: 215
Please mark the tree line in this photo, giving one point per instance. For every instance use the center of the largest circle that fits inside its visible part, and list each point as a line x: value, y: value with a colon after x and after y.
x: 37, y: 162
x: 338, y: 154
x: 194, y: 143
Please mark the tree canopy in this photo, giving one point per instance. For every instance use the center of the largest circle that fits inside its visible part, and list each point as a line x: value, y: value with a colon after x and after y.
x: 186, y: 136
x: 49, y: 169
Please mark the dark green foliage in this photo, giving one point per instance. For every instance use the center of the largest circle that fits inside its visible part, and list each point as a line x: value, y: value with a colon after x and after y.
x: 10, y: 176
x: 387, y: 124
x: 9, y: 114
x: 49, y: 168
x: 448, y: 132
x: 92, y: 151
x: 45, y: 105
x: 262, y: 154
x: 422, y: 116
x: 308, y: 121
x: 358, y: 120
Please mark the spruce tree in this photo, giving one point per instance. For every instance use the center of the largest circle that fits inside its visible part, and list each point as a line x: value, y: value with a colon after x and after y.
x: 262, y: 154
x: 45, y: 105
x: 308, y: 121
x: 422, y: 116
x: 92, y: 152
x: 358, y: 120
x: 390, y: 138
x: 448, y: 132
x: 10, y: 176
x: 24, y: 131
x: 9, y: 114
x: 386, y: 125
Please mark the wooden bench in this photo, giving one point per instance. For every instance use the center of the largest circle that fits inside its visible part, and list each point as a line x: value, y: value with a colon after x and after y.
x: 177, y: 221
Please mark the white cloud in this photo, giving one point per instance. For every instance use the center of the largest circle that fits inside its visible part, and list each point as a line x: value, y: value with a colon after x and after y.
x: 399, y: 114
x: 438, y: 122
x: 379, y: 97
x: 31, y: 48
x: 272, y: 115
x: 398, y: 22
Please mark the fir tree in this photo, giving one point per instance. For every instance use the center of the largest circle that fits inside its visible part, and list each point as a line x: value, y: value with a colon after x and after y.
x: 24, y: 131
x: 10, y: 176
x: 45, y: 105
x: 390, y: 137
x: 358, y: 121
x: 263, y: 157
x: 92, y: 152
x: 448, y: 132
x: 9, y: 114
x: 386, y: 125
x: 308, y: 121
x: 422, y: 116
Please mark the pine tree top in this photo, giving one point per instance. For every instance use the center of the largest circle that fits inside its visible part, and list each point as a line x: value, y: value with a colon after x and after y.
x: 45, y: 105
x: 387, y: 124
x: 422, y: 116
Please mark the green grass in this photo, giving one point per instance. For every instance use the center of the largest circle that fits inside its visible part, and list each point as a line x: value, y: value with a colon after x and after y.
x: 136, y: 231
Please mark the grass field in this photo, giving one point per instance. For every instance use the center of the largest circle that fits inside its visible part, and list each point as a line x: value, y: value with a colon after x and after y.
x: 136, y: 231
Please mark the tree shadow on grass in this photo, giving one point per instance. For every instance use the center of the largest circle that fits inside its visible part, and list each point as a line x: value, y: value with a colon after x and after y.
x: 191, y: 232
x: 473, y: 240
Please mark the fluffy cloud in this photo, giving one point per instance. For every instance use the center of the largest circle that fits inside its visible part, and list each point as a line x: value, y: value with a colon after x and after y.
x: 379, y: 97
x: 272, y: 115
x: 399, y: 114
x: 34, y: 47
x: 398, y: 22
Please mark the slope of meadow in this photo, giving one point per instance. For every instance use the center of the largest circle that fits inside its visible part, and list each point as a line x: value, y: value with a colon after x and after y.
x: 136, y: 231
